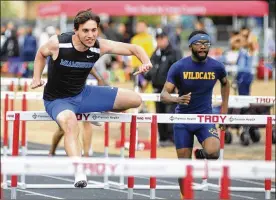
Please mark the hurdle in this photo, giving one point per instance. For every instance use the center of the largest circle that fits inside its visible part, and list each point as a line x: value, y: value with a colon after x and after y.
x: 234, y: 101
x: 160, y: 118
x: 10, y: 96
x: 136, y: 167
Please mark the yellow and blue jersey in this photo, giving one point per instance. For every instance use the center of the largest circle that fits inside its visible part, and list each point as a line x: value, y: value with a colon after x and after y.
x: 199, y: 78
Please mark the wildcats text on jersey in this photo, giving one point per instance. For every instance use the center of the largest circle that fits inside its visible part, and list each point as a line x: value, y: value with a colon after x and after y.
x: 199, y: 75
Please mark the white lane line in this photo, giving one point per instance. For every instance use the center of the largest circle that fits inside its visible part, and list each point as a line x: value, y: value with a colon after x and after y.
x: 122, y: 191
x: 37, y: 194
x: 234, y: 195
x: 158, y: 180
x: 96, y: 182
x: 134, y: 193
x: 170, y: 182
x: 59, y: 178
x: 251, y: 182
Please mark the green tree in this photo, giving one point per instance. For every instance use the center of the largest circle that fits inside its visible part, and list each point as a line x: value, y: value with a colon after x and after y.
x: 150, y: 20
x: 7, y: 10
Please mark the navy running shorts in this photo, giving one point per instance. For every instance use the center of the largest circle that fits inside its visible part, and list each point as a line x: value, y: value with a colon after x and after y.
x: 91, y: 99
x: 184, y: 134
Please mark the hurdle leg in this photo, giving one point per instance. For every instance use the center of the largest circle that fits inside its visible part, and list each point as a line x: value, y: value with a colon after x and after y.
x: 205, y: 178
x: 122, y: 153
x: 15, y: 150
x: 6, y: 133
x: 106, y: 144
x: 8, y: 151
x: 225, y: 184
x: 187, y: 190
x: 132, y: 143
x: 23, y: 139
x: 4, y: 184
x: 221, y: 151
x: 268, y: 155
x: 153, y: 153
x: 22, y: 183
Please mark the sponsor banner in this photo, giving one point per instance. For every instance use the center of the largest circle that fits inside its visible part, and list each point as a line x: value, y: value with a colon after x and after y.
x: 29, y: 116
x: 265, y: 100
x: 135, y: 167
x: 245, y: 100
x: 144, y: 118
x: 97, y: 169
x: 213, y: 119
x: 10, y: 116
x: 40, y: 116
x: 147, y: 118
x: 104, y: 117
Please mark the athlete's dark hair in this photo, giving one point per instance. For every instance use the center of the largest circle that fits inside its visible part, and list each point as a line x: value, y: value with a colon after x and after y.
x: 83, y: 16
x: 197, y: 32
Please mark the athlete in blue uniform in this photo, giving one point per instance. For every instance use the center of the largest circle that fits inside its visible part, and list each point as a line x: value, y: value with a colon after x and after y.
x: 195, y: 77
x: 72, y: 56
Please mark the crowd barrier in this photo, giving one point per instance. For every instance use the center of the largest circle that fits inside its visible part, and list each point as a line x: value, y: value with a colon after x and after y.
x: 14, y: 118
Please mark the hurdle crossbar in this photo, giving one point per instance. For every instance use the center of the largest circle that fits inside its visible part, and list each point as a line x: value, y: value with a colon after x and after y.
x: 147, y: 118
x: 233, y: 100
x: 161, y: 118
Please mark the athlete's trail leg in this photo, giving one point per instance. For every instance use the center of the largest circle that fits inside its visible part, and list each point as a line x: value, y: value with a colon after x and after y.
x: 87, y: 138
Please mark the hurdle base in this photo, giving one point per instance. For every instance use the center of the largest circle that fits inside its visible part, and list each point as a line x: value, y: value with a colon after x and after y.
x: 117, y: 185
x: 240, y: 189
x: 22, y: 185
x: 113, y: 184
x: 130, y: 193
x: 13, y: 193
x: 152, y: 193
x: 4, y: 185
x: 205, y: 185
x: 61, y: 186
x: 54, y: 186
x: 267, y: 194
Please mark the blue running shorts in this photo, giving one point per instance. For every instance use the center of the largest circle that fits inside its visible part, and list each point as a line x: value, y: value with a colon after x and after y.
x: 184, y: 134
x: 91, y: 99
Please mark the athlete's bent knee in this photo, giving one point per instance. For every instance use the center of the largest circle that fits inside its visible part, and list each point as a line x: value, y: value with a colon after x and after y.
x: 67, y: 120
x: 137, y: 100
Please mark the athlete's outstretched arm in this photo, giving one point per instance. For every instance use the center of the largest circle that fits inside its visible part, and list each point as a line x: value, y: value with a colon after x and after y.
x: 225, y: 90
x: 48, y: 49
x: 120, y: 48
x: 168, y: 99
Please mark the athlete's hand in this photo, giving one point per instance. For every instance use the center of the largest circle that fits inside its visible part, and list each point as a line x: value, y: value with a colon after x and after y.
x: 102, y: 82
x: 184, y: 99
x: 143, y: 68
x: 37, y: 83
